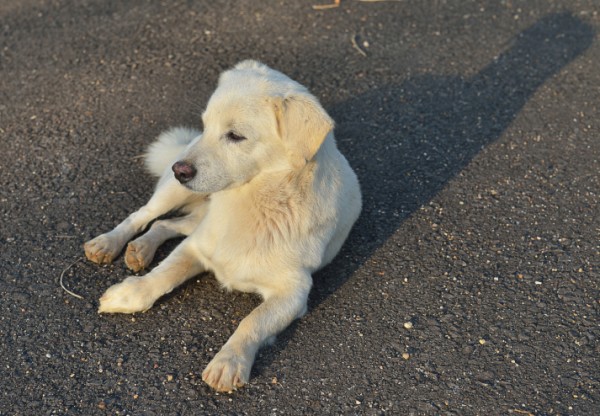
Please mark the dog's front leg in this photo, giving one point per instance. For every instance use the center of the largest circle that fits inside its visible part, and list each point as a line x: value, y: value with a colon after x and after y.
x: 169, y: 195
x: 140, y: 252
x: 138, y: 293
x: 230, y: 368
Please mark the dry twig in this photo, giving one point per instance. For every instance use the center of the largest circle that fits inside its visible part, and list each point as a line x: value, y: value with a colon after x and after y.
x: 61, y: 280
x: 356, y: 46
x: 336, y: 3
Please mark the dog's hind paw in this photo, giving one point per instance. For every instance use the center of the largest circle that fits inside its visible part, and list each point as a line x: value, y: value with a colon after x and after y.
x: 133, y: 294
x: 227, y: 371
x: 102, y: 249
x: 138, y: 255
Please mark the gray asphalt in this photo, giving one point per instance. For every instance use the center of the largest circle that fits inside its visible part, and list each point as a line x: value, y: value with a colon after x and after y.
x: 470, y: 284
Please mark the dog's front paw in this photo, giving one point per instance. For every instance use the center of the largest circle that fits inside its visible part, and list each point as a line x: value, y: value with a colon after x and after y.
x: 227, y: 371
x: 133, y: 294
x: 138, y: 255
x: 102, y: 249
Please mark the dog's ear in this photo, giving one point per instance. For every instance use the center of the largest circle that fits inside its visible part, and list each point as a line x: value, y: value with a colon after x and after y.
x: 302, y: 124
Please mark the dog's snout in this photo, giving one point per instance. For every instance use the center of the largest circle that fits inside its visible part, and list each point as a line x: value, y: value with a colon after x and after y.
x: 184, y: 171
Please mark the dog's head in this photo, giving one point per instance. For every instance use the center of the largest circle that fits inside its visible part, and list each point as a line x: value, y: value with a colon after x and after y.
x: 258, y: 120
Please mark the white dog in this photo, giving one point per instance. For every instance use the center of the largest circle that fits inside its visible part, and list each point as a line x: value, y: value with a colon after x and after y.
x: 267, y: 200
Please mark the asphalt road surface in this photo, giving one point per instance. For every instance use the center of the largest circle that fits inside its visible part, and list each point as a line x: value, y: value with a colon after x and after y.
x: 470, y: 284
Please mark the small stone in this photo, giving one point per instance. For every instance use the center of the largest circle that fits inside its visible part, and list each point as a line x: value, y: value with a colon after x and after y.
x: 467, y: 350
x: 482, y: 341
x: 408, y: 325
x: 486, y: 376
x: 405, y: 355
x: 101, y: 405
x: 169, y: 377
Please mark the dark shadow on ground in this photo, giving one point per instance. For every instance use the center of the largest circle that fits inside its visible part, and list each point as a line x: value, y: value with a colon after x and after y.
x: 424, y: 132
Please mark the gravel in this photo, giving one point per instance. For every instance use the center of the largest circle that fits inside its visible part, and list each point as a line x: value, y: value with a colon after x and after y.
x: 469, y: 284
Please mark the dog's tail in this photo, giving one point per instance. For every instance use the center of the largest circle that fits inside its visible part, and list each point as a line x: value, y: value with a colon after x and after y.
x: 166, y: 149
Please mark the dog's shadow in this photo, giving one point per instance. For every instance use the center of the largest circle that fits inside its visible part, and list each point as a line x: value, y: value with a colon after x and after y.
x: 406, y: 142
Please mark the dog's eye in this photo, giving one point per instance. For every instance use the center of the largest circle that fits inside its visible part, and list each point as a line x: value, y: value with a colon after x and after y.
x: 234, y: 137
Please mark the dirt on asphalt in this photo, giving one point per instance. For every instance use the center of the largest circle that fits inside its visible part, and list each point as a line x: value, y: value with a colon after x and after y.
x: 470, y: 285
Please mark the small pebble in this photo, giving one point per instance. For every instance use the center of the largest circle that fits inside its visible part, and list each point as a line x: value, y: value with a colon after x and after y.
x: 405, y: 355
x: 408, y: 325
x: 169, y: 377
x: 482, y: 341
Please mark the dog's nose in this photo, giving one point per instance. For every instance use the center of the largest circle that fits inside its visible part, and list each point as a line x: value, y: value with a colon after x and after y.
x: 184, y: 171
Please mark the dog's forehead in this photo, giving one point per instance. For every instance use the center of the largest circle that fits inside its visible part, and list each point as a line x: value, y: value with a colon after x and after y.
x: 234, y: 104
x: 257, y: 82
x: 244, y: 85
x: 235, y: 98
x: 244, y: 94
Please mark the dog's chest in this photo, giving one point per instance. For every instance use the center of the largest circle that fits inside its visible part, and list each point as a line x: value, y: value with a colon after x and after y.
x: 235, y: 268
x: 239, y: 255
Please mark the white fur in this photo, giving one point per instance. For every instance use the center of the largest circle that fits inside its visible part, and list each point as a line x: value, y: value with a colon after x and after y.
x: 165, y: 150
x: 262, y: 213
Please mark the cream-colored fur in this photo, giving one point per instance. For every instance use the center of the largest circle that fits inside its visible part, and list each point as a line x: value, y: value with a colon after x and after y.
x: 272, y: 200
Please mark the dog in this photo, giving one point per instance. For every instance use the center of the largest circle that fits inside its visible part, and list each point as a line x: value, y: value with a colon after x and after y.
x: 266, y: 200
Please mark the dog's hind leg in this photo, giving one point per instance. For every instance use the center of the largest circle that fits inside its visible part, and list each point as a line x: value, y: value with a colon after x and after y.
x: 169, y: 195
x: 140, y: 251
